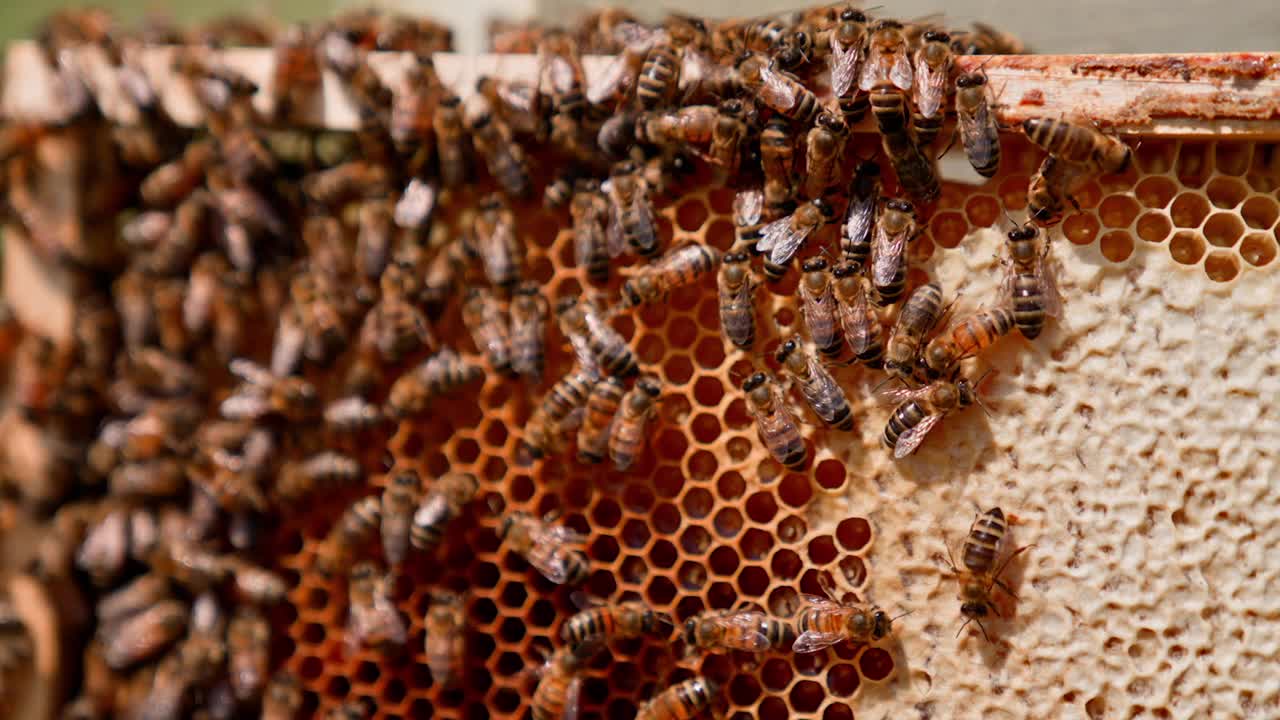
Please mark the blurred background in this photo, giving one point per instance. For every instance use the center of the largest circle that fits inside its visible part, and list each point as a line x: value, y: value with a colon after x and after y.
x: 1068, y: 27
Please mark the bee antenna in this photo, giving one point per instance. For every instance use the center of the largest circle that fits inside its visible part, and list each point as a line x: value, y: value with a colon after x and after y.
x: 895, y: 618
x: 964, y: 625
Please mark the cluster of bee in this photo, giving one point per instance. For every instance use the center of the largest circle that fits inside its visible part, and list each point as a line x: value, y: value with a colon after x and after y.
x: 318, y: 275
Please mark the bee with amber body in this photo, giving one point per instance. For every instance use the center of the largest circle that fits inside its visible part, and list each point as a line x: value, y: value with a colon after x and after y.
x: 965, y: 339
x: 445, y: 638
x: 861, y: 325
x: 737, y: 629
x: 628, y: 434
x: 439, y: 506
x: 614, y: 621
x: 919, y: 315
x: 824, y: 621
x: 683, y: 265
x: 551, y: 549
x: 680, y: 702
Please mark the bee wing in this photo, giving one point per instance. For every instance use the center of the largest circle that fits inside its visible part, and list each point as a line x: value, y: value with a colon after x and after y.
x: 694, y: 66
x: 900, y: 71
x: 930, y: 85
x: 857, y: 323
x: 551, y: 561
x: 748, y: 206
x: 813, y: 641
x: 874, y: 68
x: 561, y: 535
x: 748, y: 625
x: 1048, y: 277
x: 559, y: 73
x: 608, y: 82
x: 615, y: 238
x: 911, y: 439
x: 844, y: 67
x: 781, y: 239
x: 899, y: 394
x: 643, y: 209
x: 572, y: 695
x: 584, y: 241
x: 250, y: 372
x: 886, y: 255
x: 822, y: 391
x: 776, y: 91
x: 637, y: 37
x: 861, y: 219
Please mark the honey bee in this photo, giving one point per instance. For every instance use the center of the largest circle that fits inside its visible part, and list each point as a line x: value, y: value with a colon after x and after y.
x: 439, y: 506
x: 399, y: 503
x: 889, y: 108
x: 501, y: 252
x: 987, y: 40
x: 860, y: 218
x: 490, y: 328
x: 394, y: 328
x: 105, y: 548
x: 917, y: 173
x: 560, y: 684
x: 886, y: 60
x: 411, y: 114
x: 373, y: 238
x: 255, y: 584
x: 683, y: 265
x: 820, y: 390
x: 156, y: 478
x: 348, y: 182
x: 443, y: 372
x: 542, y: 433
x: 919, y: 315
x: 1029, y: 283
x: 493, y: 139
x: 614, y: 621
x: 824, y: 154
x: 920, y: 410
x: 349, y: 534
x: 374, y: 620
x: 606, y: 345
x: 660, y: 73
x: 727, y: 137
x: 617, y: 135
x: 352, y: 710
x: 352, y: 414
x: 737, y: 299
x: 322, y: 471
x: 451, y: 141
x: 445, y: 641
x: 692, y: 124
x: 144, y: 635
x: 861, y: 326
x: 550, y: 549
x: 933, y: 76
x: 138, y: 595
x: 588, y: 209
x: 845, y: 62
x: 818, y: 306
x: 777, y: 155
x: 680, y: 702
x: 560, y: 72
x: 1051, y: 187
x: 774, y: 423
x: 171, y: 183
x: 296, y: 72
x: 979, y: 130
x: 778, y: 89
x: 519, y: 103
x: 748, y: 207
x: 248, y: 653
x: 628, y: 434
x: 261, y: 393
x: 601, y: 407
x: 447, y: 266
x: 763, y: 35
x: 980, y: 551
x: 895, y: 227
x: 782, y: 238
x: 631, y: 220
x: 283, y: 697
x: 189, y: 565
x: 823, y: 622
x: 748, y: 630
x: 529, y: 311
x: 1078, y: 144
x: 965, y: 339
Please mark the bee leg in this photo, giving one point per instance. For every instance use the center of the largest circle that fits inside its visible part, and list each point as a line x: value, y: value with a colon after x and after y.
x: 1005, y: 564
x: 951, y: 561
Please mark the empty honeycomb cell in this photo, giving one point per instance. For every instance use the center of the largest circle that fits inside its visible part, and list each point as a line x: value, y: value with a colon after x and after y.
x: 649, y: 349
x: 691, y: 214
x: 710, y: 352
x: 1116, y: 245
x: 776, y: 674
x: 722, y: 595
x: 727, y: 522
x: 1221, y: 266
x: 604, y: 549
x: 393, y: 693
x: 875, y: 664
x: 663, y: 554
x: 841, y: 711
x: 1013, y: 192
x: 338, y: 687
x: 693, y: 576
x: 695, y: 540
x: 822, y: 550
x: 1226, y: 193
x: 637, y: 498
x: 671, y: 445
x: 982, y: 210
x: 830, y: 474
x: 660, y: 591
x: 495, y: 468
x: 1192, y: 167
x: 1232, y: 158
x: 601, y: 584
x: 792, y: 528
x: 806, y: 696
x: 708, y: 391
x: 795, y: 490
x: 761, y: 507
x: 666, y: 518
x: 1223, y: 229
x: 1258, y: 249
x: 698, y: 503
x: 1118, y: 211
x: 1154, y: 227
x: 948, y: 229
x: 843, y: 680
x: 705, y: 428
x: 1187, y: 247
x: 484, y: 574
x: 606, y: 514
x: 313, y: 634
x: 1260, y: 213
x: 514, y: 595
x: 786, y: 564
x: 633, y: 569
x: 730, y: 485
x: 753, y: 581
x: 466, y: 450
x: 505, y: 700
x: 1156, y: 157
x: 755, y: 543
x: 635, y: 534
x: 684, y: 299
x: 854, y: 570
x: 511, y: 630
x: 724, y: 561
x: 703, y: 466
x: 677, y: 369
x: 853, y: 533
x: 366, y: 673
x: 744, y: 690
x: 1080, y: 228
x: 653, y: 315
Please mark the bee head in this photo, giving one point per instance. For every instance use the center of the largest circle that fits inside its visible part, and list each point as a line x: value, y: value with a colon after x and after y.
x: 853, y: 15
x: 881, y: 624
x: 969, y: 80
x: 732, y: 106
x: 936, y: 36
x: 649, y: 385
x: 735, y: 258
x: 975, y: 610
x: 901, y: 205
x: 1023, y: 232
x: 831, y: 121
x: 753, y: 382
x: 691, y: 631
x: 844, y: 270
x: 814, y: 264
x: 824, y: 207
x: 786, y: 349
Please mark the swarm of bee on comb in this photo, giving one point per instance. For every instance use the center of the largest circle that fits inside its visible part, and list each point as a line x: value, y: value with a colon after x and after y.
x: 258, y: 311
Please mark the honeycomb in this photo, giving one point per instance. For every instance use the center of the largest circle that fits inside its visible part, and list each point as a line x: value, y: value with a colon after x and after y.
x: 1130, y: 606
